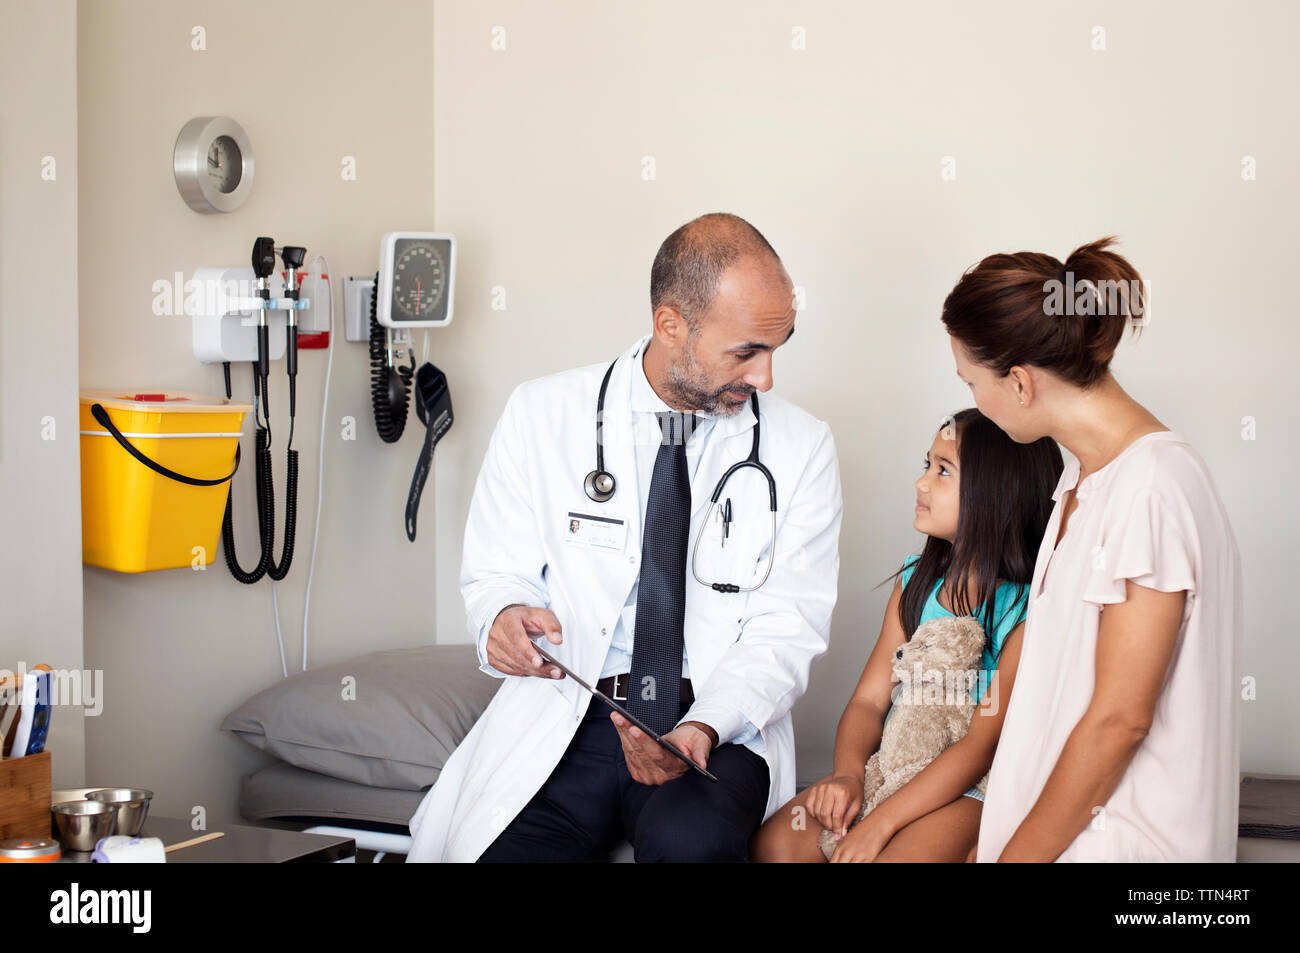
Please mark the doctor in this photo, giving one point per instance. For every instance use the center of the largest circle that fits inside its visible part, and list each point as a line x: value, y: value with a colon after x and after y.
x: 610, y: 564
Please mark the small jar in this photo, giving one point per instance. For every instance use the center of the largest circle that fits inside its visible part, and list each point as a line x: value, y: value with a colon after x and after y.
x: 29, y: 850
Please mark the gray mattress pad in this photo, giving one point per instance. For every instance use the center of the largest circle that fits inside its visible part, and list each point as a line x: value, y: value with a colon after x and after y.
x: 281, y: 790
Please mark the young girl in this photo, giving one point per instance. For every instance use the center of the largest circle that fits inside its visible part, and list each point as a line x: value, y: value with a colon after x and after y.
x: 983, y: 501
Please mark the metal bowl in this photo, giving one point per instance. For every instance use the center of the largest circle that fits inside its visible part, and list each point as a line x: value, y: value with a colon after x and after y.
x: 80, y: 824
x: 132, y: 807
x: 62, y: 796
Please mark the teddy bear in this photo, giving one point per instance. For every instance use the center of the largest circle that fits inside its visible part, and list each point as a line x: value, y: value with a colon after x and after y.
x: 926, y: 715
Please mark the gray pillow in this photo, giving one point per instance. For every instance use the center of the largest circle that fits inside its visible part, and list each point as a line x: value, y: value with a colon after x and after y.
x: 411, y: 709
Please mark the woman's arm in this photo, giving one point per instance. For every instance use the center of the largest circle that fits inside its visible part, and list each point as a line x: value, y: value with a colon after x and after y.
x: 962, y: 763
x: 1135, y: 643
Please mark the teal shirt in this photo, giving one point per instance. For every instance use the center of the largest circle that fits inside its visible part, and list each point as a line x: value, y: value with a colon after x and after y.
x: 1009, y: 604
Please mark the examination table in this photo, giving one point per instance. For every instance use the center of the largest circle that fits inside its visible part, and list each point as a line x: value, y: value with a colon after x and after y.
x: 357, y: 744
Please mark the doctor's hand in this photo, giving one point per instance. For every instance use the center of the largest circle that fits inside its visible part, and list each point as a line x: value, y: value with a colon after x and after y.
x: 509, y: 648
x: 649, y: 762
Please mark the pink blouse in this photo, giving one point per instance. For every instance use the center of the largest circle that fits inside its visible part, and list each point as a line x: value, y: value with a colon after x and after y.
x: 1154, y: 516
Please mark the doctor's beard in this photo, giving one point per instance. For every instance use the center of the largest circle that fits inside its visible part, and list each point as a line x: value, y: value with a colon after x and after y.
x: 690, y: 388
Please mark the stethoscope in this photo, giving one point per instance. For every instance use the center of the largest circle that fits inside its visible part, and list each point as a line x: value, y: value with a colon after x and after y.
x: 600, y: 485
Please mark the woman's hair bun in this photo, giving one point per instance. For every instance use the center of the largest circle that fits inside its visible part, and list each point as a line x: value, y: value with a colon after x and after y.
x: 1030, y: 308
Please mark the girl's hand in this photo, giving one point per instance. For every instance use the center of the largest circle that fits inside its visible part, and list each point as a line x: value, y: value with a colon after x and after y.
x: 834, y: 801
x: 862, y: 844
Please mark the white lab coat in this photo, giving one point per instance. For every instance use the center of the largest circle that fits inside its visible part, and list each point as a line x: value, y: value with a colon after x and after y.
x: 749, y: 654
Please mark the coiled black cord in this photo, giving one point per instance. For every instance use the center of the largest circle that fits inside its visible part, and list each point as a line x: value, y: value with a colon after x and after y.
x: 290, y: 515
x: 390, y: 420
x: 266, y: 566
x: 266, y: 527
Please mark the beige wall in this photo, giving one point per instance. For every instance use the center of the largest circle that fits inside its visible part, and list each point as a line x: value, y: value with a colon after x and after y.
x: 833, y: 151
x: 40, y: 502
x: 311, y: 82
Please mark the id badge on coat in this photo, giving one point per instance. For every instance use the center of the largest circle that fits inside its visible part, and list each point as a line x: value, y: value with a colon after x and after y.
x: 601, y: 533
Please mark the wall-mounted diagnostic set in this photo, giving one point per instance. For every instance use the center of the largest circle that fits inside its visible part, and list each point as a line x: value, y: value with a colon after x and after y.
x: 225, y: 330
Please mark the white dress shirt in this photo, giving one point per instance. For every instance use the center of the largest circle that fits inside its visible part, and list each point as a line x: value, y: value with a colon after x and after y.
x: 645, y: 403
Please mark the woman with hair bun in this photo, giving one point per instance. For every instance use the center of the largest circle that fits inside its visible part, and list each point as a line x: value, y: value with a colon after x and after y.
x: 1120, y: 742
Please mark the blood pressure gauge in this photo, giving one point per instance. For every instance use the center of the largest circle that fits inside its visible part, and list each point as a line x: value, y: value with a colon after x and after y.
x: 417, y: 280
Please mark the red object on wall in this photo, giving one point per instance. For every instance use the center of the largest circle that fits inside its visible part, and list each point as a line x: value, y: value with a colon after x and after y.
x: 311, y: 340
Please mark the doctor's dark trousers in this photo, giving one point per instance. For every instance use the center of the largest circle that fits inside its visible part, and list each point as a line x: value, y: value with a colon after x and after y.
x: 590, y: 804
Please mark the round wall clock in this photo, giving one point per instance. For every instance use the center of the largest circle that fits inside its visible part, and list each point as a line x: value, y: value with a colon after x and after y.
x: 213, y: 164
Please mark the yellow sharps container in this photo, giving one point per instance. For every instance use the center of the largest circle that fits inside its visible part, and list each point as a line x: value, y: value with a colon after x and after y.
x: 155, y: 473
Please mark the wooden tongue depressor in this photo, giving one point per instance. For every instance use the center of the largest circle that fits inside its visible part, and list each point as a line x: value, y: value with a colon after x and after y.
x: 194, y: 840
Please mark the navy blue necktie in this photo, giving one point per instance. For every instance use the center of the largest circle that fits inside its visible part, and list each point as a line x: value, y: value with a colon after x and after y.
x: 654, y: 687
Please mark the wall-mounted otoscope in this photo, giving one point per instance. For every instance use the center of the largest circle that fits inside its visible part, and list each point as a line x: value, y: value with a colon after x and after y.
x: 292, y: 256
x: 263, y: 266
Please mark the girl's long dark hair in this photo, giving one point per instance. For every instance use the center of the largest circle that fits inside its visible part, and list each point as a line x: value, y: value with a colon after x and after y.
x: 1005, y: 502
